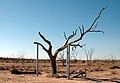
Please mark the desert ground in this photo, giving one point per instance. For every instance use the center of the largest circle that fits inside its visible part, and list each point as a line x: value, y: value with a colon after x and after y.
x: 97, y: 71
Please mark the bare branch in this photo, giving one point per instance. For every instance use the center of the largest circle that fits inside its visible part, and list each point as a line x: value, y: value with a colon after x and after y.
x: 77, y: 45
x: 95, y: 26
x: 82, y: 33
x: 59, y: 49
x: 96, y: 31
x: 75, y: 31
x: 83, y: 28
x: 65, y: 36
x: 96, y: 19
x: 80, y: 30
x: 70, y: 37
x: 41, y: 46
x: 74, y: 46
x: 47, y: 41
x: 66, y: 43
x: 91, y: 29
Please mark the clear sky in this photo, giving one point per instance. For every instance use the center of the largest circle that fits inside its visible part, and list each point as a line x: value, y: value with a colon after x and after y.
x: 21, y: 20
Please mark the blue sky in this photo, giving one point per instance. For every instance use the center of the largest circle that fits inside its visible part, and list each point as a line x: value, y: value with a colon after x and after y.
x: 21, y: 20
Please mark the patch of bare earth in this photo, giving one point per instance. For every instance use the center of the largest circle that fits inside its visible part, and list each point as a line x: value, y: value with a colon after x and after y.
x: 7, y: 77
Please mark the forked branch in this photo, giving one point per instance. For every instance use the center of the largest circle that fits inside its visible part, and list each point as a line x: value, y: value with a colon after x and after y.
x: 82, y: 30
x: 41, y: 46
x: 69, y: 37
x: 47, y: 41
x: 92, y: 28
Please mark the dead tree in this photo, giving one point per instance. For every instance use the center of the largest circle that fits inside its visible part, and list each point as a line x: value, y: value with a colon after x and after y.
x: 70, y: 40
x: 62, y: 59
x: 89, y: 54
x: 74, y: 56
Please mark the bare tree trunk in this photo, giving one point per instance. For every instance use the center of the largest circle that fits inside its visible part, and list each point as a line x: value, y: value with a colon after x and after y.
x: 70, y: 40
x: 53, y: 65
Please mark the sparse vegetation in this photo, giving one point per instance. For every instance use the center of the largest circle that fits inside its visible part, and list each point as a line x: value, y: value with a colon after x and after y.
x: 105, y: 68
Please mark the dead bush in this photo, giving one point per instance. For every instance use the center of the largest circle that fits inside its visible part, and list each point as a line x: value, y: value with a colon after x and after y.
x: 115, y: 67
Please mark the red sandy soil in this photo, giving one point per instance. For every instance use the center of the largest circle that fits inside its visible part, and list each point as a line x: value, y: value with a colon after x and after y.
x: 99, y: 71
x: 7, y: 77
